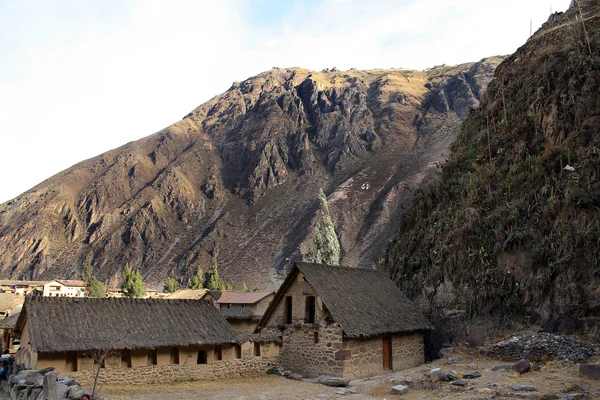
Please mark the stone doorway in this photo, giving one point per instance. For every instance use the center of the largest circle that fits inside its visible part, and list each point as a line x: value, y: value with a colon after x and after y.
x: 387, y: 353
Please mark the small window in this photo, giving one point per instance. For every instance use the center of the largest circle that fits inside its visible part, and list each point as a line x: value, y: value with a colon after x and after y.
x: 126, y: 359
x: 256, y: 349
x: 316, y: 337
x: 238, y: 351
x: 309, y: 310
x: 201, y: 357
x: 288, y: 310
x: 218, y: 353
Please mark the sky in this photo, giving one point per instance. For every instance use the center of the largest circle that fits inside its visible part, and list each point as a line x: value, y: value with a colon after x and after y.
x: 81, y: 77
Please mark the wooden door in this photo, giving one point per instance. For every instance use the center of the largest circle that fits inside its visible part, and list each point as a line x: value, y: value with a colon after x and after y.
x: 387, y: 353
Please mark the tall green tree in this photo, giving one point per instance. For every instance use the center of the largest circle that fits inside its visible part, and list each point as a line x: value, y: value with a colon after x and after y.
x: 213, y: 280
x: 172, y: 285
x: 326, y: 248
x: 94, y: 288
x: 197, y: 280
x: 133, y: 285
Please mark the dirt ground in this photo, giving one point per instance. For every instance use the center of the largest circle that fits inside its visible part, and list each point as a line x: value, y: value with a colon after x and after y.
x: 553, y: 381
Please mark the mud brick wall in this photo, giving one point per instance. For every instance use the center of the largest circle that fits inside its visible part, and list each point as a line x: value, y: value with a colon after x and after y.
x: 173, y: 373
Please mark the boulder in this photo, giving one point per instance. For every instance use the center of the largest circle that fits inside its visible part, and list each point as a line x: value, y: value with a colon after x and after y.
x: 333, y: 381
x: 523, y: 388
x: 472, y: 375
x: 590, y: 370
x: 35, y: 393
x: 452, y: 375
x: 295, y: 377
x: 45, y: 370
x: 35, y: 380
x: 399, y: 389
x: 522, y: 366
x: 444, y: 377
x: 459, y: 382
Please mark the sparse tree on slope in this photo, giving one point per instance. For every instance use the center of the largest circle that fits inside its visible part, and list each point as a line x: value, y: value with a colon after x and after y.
x: 327, y: 245
x: 171, y: 285
x: 133, y: 285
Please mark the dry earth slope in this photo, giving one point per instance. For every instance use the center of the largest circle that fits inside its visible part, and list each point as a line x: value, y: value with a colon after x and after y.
x: 240, y: 175
x: 507, y: 229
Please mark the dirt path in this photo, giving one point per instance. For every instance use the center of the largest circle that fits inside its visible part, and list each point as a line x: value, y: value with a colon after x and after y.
x: 553, y: 381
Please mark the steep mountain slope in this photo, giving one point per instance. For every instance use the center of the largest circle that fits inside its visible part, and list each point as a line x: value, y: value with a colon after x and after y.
x: 240, y: 175
x: 511, y: 227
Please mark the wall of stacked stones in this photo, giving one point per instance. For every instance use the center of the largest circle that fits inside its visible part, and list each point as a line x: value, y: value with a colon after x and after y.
x: 408, y: 350
x: 364, y: 357
x: 310, y: 356
x: 308, y: 349
x: 172, y: 373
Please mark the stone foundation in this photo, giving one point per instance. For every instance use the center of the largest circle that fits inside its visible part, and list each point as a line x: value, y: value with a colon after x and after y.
x: 172, y: 373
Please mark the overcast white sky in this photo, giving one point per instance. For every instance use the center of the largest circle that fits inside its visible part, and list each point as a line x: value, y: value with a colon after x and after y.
x: 80, y: 77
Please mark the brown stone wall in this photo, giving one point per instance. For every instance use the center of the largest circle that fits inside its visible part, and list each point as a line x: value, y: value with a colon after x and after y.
x: 364, y: 357
x: 300, y: 353
x: 408, y: 351
x: 173, y: 373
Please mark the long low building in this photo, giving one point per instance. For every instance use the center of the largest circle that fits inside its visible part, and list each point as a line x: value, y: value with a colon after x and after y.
x: 144, y: 340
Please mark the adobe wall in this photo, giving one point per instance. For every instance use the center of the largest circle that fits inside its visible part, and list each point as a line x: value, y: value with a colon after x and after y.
x: 172, y: 373
x: 243, y: 326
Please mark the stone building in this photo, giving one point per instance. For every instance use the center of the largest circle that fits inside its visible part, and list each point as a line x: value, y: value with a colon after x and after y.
x: 344, y: 322
x: 144, y: 340
x: 242, y: 310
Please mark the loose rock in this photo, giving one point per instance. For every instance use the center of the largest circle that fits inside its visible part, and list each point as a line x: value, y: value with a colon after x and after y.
x: 523, y: 388
x: 399, y: 389
x: 333, y: 381
x: 522, y: 366
x: 459, y: 382
x: 471, y: 375
x: 590, y: 370
x: 539, y: 345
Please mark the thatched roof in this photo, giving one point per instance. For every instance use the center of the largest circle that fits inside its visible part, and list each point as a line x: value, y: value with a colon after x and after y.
x: 238, y: 313
x: 228, y: 297
x: 68, y: 323
x: 364, y: 302
x: 10, y: 321
x: 192, y: 294
x: 264, y: 337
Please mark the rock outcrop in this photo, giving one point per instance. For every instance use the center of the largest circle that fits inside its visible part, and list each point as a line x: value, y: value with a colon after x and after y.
x: 241, y: 174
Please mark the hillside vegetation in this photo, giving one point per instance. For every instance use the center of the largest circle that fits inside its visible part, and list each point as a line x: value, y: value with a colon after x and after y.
x: 510, y: 228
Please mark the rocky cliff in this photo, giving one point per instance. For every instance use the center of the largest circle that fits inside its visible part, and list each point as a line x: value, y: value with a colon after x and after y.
x: 510, y: 229
x: 240, y: 175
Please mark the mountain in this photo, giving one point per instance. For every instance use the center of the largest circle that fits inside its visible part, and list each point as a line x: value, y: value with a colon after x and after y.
x: 510, y: 229
x: 240, y: 175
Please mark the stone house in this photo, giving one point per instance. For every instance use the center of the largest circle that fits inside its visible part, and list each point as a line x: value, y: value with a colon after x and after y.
x: 344, y: 322
x: 144, y: 340
x: 242, y: 310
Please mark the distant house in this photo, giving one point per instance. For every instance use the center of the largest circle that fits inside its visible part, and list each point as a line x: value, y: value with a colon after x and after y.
x: 189, y: 294
x: 64, y: 288
x: 343, y: 321
x: 242, y: 310
x: 20, y: 287
x: 148, y: 340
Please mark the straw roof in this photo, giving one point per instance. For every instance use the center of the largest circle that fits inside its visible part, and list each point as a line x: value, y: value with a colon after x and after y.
x: 364, y: 302
x: 10, y: 321
x: 241, y: 297
x: 237, y: 313
x: 192, y: 294
x: 69, y: 324
x: 9, y: 300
